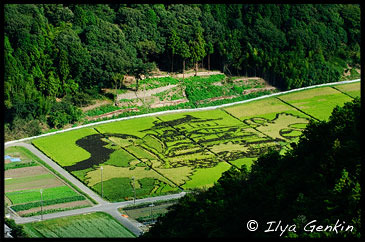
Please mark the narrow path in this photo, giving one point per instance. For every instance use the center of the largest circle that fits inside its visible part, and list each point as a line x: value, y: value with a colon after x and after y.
x: 144, y: 93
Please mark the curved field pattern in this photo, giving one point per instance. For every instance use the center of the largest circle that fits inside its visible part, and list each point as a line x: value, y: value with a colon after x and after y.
x: 161, y: 154
x: 178, y: 152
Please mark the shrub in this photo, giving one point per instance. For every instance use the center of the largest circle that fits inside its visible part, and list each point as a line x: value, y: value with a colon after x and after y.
x: 63, y: 113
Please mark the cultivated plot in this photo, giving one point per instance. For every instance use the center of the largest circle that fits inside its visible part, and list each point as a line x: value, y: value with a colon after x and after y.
x: 92, y: 225
x: 161, y: 154
x: 30, y: 186
x: 317, y: 102
x: 352, y: 89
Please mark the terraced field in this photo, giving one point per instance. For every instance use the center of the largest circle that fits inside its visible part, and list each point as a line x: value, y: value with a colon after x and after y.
x: 162, y: 154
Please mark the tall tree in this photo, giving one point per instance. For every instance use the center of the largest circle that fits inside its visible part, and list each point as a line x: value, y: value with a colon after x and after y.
x: 197, y: 48
x: 173, y: 43
x: 184, y: 52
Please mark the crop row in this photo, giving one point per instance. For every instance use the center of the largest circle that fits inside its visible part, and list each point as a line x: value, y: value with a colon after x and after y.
x: 26, y: 206
x: 87, y: 225
x: 35, y: 195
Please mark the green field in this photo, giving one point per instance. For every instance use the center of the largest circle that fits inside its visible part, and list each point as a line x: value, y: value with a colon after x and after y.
x: 34, y: 194
x: 92, y: 225
x: 62, y: 147
x: 317, y: 102
x: 352, y: 89
x: 187, y: 150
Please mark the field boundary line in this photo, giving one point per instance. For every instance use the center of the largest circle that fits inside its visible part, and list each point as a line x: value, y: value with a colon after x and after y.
x: 345, y: 93
x: 291, y: 105
x: 182, y: 110
x: 242, y: 121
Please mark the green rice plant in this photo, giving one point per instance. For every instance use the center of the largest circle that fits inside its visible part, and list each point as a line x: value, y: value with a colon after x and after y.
x: 316, y: 102
x: 132, y: 126
x: 267, y: 108
x: 352, y: 89
x: 192, y: 149
x: 62, y: 147
x: 120, y: 158
x: 206, y: 177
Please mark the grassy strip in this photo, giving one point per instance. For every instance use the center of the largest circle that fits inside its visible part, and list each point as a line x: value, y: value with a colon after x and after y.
x: 101, y: 110
x: 15, y: 165
x: 152, y: 83
x: 55, y: 210
x: 26, y: 206
x: 146, y: 204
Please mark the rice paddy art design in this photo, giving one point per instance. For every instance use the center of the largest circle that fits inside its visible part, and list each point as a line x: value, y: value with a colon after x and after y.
x: 169, y: 152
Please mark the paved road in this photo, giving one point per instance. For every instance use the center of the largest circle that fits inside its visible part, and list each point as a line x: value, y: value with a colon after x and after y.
x: 110, y: 208
x: 102, y: 206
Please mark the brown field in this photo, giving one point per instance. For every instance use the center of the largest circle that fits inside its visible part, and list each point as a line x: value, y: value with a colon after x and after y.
x: 25, y: 171
x: 41, y: 183
x: 55, y: 206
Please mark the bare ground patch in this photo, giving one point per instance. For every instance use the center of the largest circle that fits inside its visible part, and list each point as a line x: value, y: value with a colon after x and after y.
x: 96, y: 105
x: 41, y: 183
x: 25, y: 171
x: 169, y: 103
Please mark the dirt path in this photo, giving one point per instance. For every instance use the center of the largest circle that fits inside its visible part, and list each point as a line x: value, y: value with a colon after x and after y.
x: 189, y: 74
x: 97, y: 104
x: 202, y: 73
x: 168, y: 103
x: 142, y: 93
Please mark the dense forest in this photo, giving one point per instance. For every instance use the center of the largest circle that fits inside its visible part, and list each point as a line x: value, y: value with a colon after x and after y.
x: 58, y: 56
x: 319, y: 179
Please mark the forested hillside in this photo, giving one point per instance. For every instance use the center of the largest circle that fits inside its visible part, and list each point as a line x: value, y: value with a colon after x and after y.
x: 69, y: 52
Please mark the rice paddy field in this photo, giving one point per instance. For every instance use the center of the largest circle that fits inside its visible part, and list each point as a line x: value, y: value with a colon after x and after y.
x: 91, y: 225
x: 25, y: 178
x: 168, y: 153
